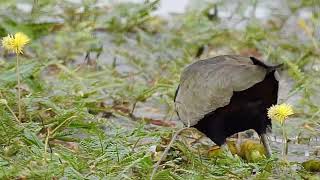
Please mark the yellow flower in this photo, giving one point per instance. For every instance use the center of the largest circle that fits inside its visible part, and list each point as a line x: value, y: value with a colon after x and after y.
x: 15, y: 43
x: 280, y: 112
x: 7, y: 41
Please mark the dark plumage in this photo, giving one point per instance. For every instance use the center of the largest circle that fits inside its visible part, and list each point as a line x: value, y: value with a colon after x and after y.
x: 220, y: 108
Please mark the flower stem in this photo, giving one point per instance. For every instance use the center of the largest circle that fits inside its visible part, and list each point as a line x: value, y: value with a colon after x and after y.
x: 285, y: 139
x: 19, y: 90
x: 46, y: 142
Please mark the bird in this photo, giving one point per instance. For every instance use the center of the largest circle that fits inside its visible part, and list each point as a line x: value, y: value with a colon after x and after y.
x: 228, y: 94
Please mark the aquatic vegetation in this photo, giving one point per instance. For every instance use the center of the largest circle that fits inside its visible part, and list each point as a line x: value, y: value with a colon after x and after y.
x: 16, y: 43
x: 280, y: 113
x: 312, y: 165
x: 98, y: 81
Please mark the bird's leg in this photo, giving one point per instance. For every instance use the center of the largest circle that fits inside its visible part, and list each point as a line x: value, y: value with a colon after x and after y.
x: 265, y: 141
x: 238, y: 142
x: 196, y: 139
x: 224, y: 147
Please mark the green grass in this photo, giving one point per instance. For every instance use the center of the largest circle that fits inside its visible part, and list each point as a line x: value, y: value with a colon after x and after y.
x: 78, y: 113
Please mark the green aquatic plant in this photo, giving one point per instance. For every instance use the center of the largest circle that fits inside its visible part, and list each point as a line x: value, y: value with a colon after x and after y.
x: 99, y: 79
x: 15, y: 43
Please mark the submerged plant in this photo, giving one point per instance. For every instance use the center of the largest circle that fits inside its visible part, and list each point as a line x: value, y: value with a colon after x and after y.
x: 16, y: 43
x: 280, y: 114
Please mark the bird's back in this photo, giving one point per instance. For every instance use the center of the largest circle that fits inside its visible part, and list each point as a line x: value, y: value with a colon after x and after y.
x: 209, y: 84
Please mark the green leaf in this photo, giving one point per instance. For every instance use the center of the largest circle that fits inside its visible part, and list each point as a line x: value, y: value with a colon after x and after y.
x: 32, y: 138
x: 10, y: 76
x: 33, y: 30
x: 163, y: 175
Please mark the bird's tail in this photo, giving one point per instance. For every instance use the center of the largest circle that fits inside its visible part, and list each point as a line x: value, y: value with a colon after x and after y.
x: 270, y: 68
x: 274, y: 68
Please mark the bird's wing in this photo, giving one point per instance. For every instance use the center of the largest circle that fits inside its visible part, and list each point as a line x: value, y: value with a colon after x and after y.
x: 209, y: 84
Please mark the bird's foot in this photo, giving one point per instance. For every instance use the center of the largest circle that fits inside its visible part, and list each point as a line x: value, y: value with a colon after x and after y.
x: 224, y: 147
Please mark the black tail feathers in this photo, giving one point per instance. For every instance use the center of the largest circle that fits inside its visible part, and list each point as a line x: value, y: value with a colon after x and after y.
x: 270, y: 68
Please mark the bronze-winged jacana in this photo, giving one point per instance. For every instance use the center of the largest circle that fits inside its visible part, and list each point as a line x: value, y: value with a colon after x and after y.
x: 227, y: 94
